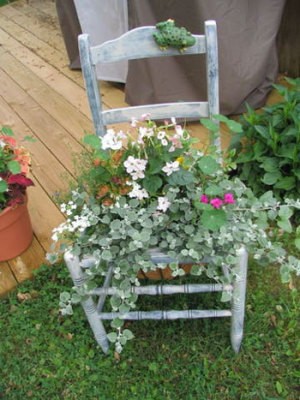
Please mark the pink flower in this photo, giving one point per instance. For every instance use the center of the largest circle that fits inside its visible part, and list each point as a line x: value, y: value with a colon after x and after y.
x: 216, y: 202
x: 204, y: 199
x: 229, y: 198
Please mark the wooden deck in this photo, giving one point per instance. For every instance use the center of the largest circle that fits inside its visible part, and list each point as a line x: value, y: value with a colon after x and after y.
x: 42, y: 97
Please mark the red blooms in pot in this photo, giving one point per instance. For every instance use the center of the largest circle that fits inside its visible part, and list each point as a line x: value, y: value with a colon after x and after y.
x: 14, y: 167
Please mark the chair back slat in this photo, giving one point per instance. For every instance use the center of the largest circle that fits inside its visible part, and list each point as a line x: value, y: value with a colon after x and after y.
x: 139, y: 43
x: 157, y: 112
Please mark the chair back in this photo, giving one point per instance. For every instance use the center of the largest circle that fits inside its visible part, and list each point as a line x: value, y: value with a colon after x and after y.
x: 139, y: 43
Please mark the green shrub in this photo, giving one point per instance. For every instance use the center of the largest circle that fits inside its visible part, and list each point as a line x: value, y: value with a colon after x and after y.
x: 268, y: 148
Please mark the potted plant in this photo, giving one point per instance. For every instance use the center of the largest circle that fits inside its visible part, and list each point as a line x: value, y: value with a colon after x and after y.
x: 15, y: 226
x: 151, y: 188
x: 268, y: 146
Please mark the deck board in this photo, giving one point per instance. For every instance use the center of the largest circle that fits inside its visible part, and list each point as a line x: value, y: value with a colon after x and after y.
x: 40, y: 96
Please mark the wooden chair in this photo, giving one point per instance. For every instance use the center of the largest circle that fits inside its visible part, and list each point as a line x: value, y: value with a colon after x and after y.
x: 139, y: 43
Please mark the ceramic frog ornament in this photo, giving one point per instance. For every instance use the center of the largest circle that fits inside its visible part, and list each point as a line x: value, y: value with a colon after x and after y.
x: 170, y: 35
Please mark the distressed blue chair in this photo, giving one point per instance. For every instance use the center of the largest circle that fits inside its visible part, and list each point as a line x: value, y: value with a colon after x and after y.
x: 139, y: 43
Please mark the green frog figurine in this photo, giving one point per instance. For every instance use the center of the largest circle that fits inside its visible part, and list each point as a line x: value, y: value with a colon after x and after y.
x: 170, y: 35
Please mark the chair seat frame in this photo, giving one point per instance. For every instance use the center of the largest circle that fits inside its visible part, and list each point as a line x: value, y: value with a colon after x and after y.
x: 94, y: 310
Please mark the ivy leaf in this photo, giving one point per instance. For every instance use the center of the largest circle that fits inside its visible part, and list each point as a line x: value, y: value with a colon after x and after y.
x: 152, y: 183
x: 285, y: 225
x: 112, y: 337
x: 208, y: 165
x: 155, y: 165
x: 128, y: 334
x: 117, y: 323
x: 297, y: 243
x: 285, y: 212
x: 201, y: 206
x: 181, y: 178
x: 213, y: 190
x: 213, y: 219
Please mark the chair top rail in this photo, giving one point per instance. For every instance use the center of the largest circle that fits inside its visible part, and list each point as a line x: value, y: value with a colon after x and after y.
x: 129, y: 45
x: 157, y: 111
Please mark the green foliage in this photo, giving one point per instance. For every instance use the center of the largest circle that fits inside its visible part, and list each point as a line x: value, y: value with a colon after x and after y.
x: 44, y: 355
x: 157, y: 191
x: 268, y: 148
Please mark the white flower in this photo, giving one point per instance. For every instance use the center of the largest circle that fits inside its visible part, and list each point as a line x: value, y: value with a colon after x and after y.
x: 161, y: 135
x: 164, y: 142
x: 171, y: 167
x: 163, y: 204
x: 145, y: 132
x: 179, y: 131
x: 134, y: 122
x: 138, y: 192
x: 111, y: 140
x: 135, y: 167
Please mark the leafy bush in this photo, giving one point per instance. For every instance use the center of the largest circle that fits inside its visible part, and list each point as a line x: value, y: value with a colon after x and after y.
x: 268, y: 148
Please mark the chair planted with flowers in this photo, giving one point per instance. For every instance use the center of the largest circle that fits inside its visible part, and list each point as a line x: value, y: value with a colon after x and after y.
x: 148, y: 209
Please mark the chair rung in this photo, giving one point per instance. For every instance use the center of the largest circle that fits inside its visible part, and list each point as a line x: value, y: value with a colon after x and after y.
x: 165, y: 289
x: 166, y: 315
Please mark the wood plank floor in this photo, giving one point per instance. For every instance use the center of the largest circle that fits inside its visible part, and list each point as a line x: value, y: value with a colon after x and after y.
x: 42, y: 97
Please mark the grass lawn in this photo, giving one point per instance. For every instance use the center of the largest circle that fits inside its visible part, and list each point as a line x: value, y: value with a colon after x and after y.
x: 45, y: 356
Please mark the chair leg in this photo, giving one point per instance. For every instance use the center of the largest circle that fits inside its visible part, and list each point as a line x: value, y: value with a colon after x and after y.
x: 238, y: 300
x: 88, y: 304
x: 106, y: 284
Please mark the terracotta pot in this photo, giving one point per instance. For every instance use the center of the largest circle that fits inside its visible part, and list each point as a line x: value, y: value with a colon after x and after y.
x: 15, y: 231
x: 165, y: 274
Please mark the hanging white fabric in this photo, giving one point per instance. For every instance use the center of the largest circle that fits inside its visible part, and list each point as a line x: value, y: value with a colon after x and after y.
x: 104, y: 20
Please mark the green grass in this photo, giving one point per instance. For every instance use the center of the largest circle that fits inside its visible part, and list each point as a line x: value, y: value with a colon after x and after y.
x: 45, y: 356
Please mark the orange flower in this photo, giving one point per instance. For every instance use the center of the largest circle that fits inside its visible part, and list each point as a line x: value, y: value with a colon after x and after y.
x: 23, y: 157
x: 107, y: 202
x: 102, y: 191
x: 124, y: 190
x: 117, y: 157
